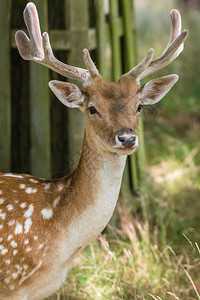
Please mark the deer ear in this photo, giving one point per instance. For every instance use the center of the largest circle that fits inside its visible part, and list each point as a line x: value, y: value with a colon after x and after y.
x: 68, y: 93
x: 154, y: 90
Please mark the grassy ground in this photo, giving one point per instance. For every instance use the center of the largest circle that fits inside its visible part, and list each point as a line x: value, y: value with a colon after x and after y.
x: 156, y: 257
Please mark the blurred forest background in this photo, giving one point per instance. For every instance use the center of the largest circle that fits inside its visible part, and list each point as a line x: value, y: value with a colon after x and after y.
x: 152, y: 248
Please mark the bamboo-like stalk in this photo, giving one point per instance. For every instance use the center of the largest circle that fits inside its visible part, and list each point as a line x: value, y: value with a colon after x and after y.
x: 115, y: 40
x: 101, y: 37
x: 129, y: 37
x: 141, y: 157
x: 5, y: 94
x: 77, y: 19
x: 40, y: 109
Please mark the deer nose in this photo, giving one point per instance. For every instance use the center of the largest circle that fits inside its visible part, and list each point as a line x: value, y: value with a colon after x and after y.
x: 127, y: 141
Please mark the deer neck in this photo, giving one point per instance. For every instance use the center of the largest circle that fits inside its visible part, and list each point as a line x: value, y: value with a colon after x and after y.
x: 99, y: 173
x: 96, y: 183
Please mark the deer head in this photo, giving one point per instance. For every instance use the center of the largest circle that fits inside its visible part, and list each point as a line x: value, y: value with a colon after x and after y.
x: 112, y: 109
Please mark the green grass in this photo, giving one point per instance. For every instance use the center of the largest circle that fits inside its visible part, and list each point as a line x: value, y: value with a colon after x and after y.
x: 132, y: 266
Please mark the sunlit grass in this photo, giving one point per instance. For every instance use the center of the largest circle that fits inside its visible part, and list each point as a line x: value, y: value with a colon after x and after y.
x: 132, y: 266
x: 136, y: 262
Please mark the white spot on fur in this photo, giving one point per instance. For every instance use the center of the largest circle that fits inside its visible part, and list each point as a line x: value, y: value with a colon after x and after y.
x: 47, y: 186
x: 1, y: 192
x: 12, y: 287
x: 2, y: 215
x: 41, y: 246
x: 4, y: 251
x: 12, y: 222
x: 15, y: 252
x: 47, y: 213
x: 60, y: 187
x: 6, y: 280
x: 13, y: 244
x: 14, y: 275
x: 9, y: 207
x: 28, y: 190
x: 34, y: 191
x: 26, y: 242
x: 18, y: 267
x: 1, y: 200
x: 28, y: 249
x: 7, y: 261
x: 35, y: 237
x: 10, y: 237
x: 19, y: 228
x: 29, y: 212
x: 23, y: 205
x: 13, y: 175
x: 27, y: 225
x: 1, y: 226
x: 56, y: 201
x: 33, y: 180
x: 22, y: 186
x: 1, y: 239
x: 25, y: 267
x: 16, y: 201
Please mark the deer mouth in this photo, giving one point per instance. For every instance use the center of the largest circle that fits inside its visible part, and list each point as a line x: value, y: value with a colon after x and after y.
x: 125, y: 150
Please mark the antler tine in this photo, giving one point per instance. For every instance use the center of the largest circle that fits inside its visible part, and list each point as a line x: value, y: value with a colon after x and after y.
x: 33, y: 25
x: 38, y: 48
x: 174, y: 46
x: 53, y: 63
x: 90, y: 64
x: 173, y: 49
x: 143, y: 64
x: 175, y: 31
x: 175, y: 25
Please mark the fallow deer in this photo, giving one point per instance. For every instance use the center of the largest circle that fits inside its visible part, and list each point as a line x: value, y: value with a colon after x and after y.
x: 45, y: 223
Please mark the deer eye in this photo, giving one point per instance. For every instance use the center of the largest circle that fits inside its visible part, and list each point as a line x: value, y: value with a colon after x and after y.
x: 140, y: 106
x: 92, y: 110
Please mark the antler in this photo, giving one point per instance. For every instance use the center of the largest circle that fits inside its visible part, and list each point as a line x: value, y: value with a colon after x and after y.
x: 174, y: 47
x: 38, y: 49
